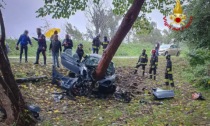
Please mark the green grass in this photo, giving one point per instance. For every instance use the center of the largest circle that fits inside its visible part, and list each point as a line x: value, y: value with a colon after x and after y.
x: 181, y: 110
x: 131, y: 49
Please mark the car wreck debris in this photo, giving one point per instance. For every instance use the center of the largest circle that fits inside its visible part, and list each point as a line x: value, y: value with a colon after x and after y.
x: 162, y: 94
x: 197, y: 96
x: 34, y: 110
x: 83, y: 84
x: 30, y: 79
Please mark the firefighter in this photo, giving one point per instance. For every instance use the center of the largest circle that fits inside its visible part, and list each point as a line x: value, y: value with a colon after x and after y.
x: 80, y: 52
x: 96, y: 44
x: 168, y: 72
x: 143, y: 59
x: 105, y: 43
x: 153, y: 65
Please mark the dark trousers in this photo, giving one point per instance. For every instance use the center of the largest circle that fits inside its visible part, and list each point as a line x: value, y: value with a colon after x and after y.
x: 43, y: 53
x: 143, y: 68
x: 25, y: 48
x: 169, y: 79
x: 95, y: 50
x: 152, y: 72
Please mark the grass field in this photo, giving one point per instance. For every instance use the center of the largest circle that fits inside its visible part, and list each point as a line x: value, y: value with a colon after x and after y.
x: 180, y: 111
x: 131, y: 49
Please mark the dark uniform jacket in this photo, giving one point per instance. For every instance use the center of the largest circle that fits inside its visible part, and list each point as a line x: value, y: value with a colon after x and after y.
x: 69, y: 43
x: 96, y: 43
x: 55, y: 46
x: 169, y: 67
x: 143, y: 59
x: 105, y: 44
x: 80, y: 53
x: 41, y: 42
x: 154, y: 61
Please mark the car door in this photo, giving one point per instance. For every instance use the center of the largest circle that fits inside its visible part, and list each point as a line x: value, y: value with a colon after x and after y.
x: 170, y: 51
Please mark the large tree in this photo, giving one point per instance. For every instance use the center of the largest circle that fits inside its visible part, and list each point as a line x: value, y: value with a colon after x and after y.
x: 11, y: 99
x: 65, y: 8
x: 101, y: 19
x: 73, y: 31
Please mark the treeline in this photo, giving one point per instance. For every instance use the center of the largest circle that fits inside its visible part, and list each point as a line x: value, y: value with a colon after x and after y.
x: 197, y: 38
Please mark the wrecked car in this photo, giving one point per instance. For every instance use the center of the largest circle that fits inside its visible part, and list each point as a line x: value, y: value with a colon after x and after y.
x: 82, y: 83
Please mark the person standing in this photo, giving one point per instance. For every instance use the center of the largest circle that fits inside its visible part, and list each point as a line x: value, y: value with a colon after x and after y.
x: 96, y: 44
x: 24, y: 40
x: 67, y: 43
x: 55, y: 47
x: 168, y: 72
x: 42, y: 46
x: 143, y: 59
x: 52, y: 37
x: 157, y: 47
x: 105, y: 43
x: 153, y: 65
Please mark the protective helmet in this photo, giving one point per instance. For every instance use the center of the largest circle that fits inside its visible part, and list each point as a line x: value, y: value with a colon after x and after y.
x: 168, y: 56
x: 153, y: 51
x: 80, y: 44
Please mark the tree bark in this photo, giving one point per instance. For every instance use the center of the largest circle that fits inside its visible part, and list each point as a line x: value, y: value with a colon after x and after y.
x: 115, y: 42
x: 10, y: 86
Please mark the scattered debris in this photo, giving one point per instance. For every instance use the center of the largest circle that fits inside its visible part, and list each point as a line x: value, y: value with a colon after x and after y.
x: 197, y: 96
x: 58, y: 96
x: 162, y: 94
x: 31, y: 79
x: 122, y: 95
x: 34, y: 110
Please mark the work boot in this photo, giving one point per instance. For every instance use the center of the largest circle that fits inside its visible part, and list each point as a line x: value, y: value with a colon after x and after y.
x: 150, y: 77
x: 143, y: 74
x: 26, y: 61
x: 154, y: 77
x: 36, y: 62
x: 172, y: 84
x: 135, y: 72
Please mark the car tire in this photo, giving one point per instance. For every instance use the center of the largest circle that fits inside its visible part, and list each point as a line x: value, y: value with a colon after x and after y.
x: 178, y: 53
x: 166, y: 53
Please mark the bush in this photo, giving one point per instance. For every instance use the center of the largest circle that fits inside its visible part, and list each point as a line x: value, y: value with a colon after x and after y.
x: 198, y: 57
x: 199, y: 70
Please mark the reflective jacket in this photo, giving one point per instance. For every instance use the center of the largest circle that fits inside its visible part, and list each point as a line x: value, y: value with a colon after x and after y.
x: 105, y: 44
x: 154, y: 61
x: 143, y: 59
x: 168, y: 67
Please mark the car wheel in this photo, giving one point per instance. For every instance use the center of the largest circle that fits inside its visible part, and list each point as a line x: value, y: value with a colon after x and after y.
x: 166, y: 53
x: 178, y: 53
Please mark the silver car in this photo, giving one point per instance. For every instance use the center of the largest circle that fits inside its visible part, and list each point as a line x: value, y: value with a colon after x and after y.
x: 171, y: 49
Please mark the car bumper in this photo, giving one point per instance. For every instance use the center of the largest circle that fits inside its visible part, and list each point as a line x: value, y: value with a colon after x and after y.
x: 161, y: 53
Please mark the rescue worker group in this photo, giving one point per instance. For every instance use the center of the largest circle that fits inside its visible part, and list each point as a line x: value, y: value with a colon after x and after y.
x: 56, y: 49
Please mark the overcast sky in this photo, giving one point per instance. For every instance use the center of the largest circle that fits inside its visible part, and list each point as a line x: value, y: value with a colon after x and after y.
x: 20, y: 15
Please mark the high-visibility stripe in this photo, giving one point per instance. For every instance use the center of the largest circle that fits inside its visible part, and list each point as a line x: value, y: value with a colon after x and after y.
x: 166, y: 80
x: 170, y: 81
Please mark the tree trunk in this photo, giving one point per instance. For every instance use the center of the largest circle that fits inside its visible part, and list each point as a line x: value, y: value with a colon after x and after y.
x: 115, y: 42
x: 7, y: 81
